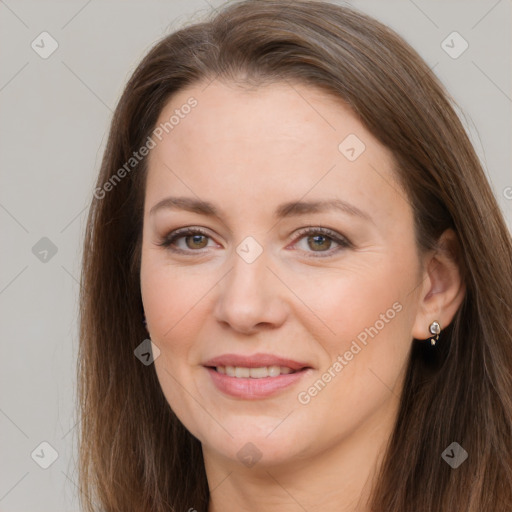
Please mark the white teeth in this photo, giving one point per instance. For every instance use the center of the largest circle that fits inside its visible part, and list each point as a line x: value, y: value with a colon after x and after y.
x: 274, y: 371
x: 254, y: 373
x: 242, y: 372
x: 259, y: 373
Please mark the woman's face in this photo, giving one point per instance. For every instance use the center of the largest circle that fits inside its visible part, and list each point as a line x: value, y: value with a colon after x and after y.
x: 305, y: 252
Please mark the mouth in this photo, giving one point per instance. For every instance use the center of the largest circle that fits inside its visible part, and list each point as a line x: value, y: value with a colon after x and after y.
x: 255, y: 382
x: 237, y: 365
x: 256, y: 376
x: 261, y: 372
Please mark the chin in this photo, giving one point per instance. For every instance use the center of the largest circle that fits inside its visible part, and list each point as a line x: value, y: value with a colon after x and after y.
x: 253, y: 446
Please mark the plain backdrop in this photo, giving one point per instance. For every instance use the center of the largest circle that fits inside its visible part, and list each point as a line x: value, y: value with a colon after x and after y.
x: 55, y: 115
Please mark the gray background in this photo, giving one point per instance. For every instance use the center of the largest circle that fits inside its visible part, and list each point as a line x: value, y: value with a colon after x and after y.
x: 55, y: 119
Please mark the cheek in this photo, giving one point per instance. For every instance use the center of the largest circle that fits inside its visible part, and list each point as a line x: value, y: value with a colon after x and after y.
x: 170, y: 295
x: 177, y: 304
x: 362, y: 314
x: 344, y: 302
x: 174, y: 302
x: 363, y: 324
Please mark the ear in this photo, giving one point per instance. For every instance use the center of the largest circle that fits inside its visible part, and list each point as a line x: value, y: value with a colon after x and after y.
x: 442, y: 289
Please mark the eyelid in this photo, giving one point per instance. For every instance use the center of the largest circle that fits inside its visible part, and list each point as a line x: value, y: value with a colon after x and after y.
x: 339, y: 239
x: 342, y: 241
x: 168, y: 239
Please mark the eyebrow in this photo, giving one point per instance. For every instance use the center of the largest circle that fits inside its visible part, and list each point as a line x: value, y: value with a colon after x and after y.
x: 289, y: 209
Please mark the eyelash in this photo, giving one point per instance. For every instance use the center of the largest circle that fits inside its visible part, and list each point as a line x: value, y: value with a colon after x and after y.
x: 342, y: 242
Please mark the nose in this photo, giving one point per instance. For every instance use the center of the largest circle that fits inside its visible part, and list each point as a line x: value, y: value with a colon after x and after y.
x: 251, y: 298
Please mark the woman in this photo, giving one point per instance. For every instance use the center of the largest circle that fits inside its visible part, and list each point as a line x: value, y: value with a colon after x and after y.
x: 297, y: 284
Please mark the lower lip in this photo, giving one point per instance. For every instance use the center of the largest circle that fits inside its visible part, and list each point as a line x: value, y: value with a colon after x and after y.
x: 253, y: 389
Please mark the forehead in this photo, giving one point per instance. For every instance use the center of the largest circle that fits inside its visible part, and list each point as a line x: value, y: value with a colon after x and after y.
x: 282, y: 115
x: 279, y: 141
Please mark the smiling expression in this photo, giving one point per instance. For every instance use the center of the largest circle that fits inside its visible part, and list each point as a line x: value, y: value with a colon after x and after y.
x: 292, y: 249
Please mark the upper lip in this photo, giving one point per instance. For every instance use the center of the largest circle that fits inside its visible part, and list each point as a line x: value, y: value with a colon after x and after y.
x: 255, y: 361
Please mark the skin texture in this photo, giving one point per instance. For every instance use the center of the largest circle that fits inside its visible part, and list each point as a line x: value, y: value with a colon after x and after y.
x: 247, y: 151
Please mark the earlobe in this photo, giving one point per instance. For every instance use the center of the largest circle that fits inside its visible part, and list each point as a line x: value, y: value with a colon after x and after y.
x: 443, y: 288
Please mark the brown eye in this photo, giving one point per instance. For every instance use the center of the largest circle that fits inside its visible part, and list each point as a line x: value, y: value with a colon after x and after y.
x: 319, y: 242
x: 196, y: 241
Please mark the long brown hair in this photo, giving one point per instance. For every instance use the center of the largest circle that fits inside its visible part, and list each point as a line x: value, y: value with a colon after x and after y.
x: 134, y: 452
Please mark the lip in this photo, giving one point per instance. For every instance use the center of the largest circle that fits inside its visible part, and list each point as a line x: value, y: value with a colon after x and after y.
x: 255, y: 361
x: 254, y: 389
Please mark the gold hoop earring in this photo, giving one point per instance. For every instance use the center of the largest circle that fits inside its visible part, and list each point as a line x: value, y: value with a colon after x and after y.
x: 435, y: 330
